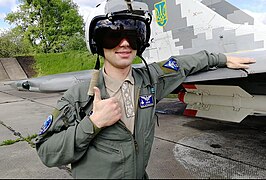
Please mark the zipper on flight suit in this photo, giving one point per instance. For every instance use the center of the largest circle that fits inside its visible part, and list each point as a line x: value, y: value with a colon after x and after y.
x: 136, y: 145
x: 132, y: 136
x: 136, y: 114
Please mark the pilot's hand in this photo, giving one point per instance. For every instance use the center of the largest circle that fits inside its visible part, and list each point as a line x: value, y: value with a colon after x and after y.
x: 105, y: 112
x: 239, y: 62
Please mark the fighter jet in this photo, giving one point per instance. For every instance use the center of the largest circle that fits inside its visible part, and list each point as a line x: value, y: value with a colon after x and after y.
x: 188, y: 26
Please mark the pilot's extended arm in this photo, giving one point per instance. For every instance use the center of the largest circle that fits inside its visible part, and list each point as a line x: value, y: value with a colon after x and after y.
x: 172, y: 72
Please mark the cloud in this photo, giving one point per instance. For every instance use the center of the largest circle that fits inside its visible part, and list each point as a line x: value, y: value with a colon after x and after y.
x: 7, y: 3
x: 259, y: 17
x: 86, y: 6
x: 87, y: 3
x: 2, y: 16
x: 259, y: 5
x: 3, y: 27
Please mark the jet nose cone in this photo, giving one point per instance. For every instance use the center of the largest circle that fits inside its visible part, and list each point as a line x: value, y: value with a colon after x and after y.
x: 12, y: 84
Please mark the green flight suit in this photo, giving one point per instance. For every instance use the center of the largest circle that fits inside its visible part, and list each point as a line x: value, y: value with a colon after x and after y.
x: 113, y: 152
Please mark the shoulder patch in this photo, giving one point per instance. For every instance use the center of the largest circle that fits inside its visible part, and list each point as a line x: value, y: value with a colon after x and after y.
x: 46, y: 125
x: 171, y: 64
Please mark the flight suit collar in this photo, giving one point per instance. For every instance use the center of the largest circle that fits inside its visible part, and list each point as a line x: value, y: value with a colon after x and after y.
x: 115, y: 84
x: 138, y: 80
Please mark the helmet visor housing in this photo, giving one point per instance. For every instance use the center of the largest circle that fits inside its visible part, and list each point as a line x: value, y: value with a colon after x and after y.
x: 108, y: 32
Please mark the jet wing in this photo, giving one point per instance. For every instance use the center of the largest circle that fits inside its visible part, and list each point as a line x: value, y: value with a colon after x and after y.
x: 216, y: 74
x: 225, y: 73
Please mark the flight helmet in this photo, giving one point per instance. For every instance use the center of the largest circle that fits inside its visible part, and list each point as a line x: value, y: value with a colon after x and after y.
x: 118, y: 19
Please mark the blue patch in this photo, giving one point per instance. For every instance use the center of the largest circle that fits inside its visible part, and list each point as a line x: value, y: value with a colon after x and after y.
x: 46, y: 125
x: 171, y: 64
x: 146, y: 101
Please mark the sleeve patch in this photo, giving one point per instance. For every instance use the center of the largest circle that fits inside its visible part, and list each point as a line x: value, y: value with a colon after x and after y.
x: 171, y: 64
x: 46, y: 125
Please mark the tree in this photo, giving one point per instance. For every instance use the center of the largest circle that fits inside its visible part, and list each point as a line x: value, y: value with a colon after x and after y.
x: 48, y: 24
x: 12, y: 43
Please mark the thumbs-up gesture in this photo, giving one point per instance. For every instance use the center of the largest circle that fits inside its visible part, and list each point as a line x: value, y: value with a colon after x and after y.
x: 105, y: 112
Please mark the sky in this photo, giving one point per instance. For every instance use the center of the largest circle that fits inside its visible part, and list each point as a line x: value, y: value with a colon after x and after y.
x: 7, y: 6
x: 255, y: 8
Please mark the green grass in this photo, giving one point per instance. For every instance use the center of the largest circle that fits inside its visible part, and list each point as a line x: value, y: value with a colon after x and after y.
x: 9, y: 142
x: 173, y: 96
x: 54, y: 63
x: 27, y: 139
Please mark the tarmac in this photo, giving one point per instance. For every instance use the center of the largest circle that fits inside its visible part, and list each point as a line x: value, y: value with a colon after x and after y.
x: 184, y: 147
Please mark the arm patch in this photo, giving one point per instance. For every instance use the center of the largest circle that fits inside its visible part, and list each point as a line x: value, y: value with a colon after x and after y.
x: 169, y: 66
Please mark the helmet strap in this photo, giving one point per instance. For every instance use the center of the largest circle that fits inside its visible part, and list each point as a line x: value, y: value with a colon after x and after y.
x: 97, y: 64
x: 149, y: 73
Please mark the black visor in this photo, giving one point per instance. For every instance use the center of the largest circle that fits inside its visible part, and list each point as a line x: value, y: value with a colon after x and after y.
x: 109, y: 39
x: 108, y: 33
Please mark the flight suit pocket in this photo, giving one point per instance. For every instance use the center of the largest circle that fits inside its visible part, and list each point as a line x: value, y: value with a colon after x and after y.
x: 107, y: 148
x: 108, y: 159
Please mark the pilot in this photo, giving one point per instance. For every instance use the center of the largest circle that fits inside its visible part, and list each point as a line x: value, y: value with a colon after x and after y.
x: 110, y: 134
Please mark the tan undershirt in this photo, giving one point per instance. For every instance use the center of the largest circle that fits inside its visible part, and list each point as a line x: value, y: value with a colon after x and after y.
x: 113, y: 87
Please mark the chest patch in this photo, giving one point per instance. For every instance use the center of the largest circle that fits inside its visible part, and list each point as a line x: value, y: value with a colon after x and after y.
x: 46, y: 125
x: 146, y: 101
x: 171, y: 64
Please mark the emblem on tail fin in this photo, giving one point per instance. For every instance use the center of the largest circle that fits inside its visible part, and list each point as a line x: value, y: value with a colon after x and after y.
x: 161, y: 13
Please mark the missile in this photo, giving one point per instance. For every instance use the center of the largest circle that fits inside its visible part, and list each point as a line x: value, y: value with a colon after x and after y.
x: 226, y: 103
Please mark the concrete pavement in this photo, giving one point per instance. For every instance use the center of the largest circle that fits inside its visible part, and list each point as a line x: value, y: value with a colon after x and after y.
x: 183, y: 147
